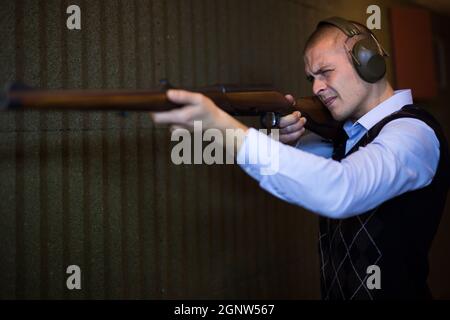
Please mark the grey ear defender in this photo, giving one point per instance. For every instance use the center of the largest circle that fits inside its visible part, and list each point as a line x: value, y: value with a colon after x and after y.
x: 368, y: 56
x: 370, y: 67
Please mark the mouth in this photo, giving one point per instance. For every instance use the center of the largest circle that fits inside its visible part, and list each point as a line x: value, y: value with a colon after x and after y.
x: 328, y: 101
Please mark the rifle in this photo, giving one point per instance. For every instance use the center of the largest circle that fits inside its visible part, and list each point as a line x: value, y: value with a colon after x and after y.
x: 261, y: 101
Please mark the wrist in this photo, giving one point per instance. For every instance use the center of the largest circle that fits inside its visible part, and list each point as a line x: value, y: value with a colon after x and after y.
x: 233, y: 131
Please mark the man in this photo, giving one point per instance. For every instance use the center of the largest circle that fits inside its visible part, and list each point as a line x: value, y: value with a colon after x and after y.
x: 379, y: 194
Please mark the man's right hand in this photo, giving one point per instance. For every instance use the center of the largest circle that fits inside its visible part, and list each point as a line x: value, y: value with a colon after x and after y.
x: 292, y: 125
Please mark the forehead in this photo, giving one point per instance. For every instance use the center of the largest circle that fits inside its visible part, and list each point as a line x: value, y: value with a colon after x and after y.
x: 323, y: 52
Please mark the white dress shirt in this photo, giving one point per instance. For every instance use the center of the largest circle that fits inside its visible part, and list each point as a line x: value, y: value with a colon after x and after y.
x: 403, y: 157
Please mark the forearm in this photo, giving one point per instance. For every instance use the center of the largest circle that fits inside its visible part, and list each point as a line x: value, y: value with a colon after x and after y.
x: 234, y: 133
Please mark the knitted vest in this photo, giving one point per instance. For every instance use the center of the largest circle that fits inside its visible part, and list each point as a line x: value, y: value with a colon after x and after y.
x: 395, y: 236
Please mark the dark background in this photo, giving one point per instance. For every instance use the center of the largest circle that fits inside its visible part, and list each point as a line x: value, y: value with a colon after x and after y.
x: 100, y: 191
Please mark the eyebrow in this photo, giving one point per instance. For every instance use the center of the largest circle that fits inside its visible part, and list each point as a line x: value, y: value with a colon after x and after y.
x: 322, y: 68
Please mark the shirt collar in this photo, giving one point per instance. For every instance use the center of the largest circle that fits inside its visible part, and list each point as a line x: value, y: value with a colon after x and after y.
x: 388, y: 106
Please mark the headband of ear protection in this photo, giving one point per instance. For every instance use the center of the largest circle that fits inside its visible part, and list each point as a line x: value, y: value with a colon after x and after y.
x: 368, y: 56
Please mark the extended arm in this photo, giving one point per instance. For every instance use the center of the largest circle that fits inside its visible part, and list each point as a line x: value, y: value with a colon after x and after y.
x: 403, y: 157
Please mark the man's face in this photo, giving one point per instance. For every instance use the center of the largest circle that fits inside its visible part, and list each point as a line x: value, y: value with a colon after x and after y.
x: 334, y: 79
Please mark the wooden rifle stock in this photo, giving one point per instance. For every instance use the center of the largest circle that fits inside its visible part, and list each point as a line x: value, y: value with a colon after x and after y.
x: 235, y: 100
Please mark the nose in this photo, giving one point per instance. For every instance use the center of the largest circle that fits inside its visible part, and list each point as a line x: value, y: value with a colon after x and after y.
x: 318, y: 86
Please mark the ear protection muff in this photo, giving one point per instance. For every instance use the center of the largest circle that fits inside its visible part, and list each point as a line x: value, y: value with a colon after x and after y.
x: 368, y: 56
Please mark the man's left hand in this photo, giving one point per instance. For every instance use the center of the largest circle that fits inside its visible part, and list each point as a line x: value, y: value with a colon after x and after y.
x: 196, y: 107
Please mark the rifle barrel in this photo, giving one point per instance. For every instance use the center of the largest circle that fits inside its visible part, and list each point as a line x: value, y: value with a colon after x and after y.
x: 241, y: 103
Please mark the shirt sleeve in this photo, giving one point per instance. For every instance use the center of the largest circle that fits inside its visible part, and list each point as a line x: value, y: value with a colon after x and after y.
x: 403, y: 157
x: 315, y: 144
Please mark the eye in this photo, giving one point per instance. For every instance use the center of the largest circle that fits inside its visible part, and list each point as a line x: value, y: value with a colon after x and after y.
x: 309, y: 78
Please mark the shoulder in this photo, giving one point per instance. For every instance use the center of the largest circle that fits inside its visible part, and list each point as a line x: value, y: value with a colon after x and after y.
x: 410, y: 138
x: 407, y: 128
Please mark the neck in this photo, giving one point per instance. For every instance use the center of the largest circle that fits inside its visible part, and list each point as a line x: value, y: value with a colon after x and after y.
x: 380, y: 92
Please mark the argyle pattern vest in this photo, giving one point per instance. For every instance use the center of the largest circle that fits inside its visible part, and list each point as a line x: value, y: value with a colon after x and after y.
x: 395, y: 236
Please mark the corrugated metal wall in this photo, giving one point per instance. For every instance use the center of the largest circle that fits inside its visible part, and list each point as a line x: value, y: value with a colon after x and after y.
x: 99, y: 191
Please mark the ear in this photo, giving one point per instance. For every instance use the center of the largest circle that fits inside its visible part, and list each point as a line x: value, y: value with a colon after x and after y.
x: 370, y: 64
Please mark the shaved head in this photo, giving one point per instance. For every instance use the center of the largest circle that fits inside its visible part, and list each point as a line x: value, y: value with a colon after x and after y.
x: 336, y: 36
x: 324, y: 32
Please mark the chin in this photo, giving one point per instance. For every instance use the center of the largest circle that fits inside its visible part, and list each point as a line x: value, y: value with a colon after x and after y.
x: 337, y: 116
